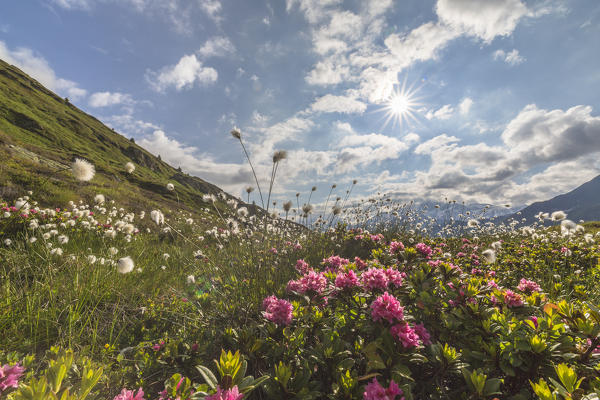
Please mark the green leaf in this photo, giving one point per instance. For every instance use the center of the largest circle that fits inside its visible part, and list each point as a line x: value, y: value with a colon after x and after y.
x: 208, y: 376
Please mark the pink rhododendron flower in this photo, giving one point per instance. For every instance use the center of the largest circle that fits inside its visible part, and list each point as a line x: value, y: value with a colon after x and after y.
x: 423, y: 334
x: 528, y: 286
x: 394, y: 277
x: 387, y: 307
x: 512, y: 299
x: 377, y: 238
x: 313, y: 281
x: 396, y: 247
x: 302, y: 266
x: 346, y: 280
x: 335, y: 262
x: 277, y: 310
x: 9, y: 376
x: 534, y: 319
x: 230, y: 394
x: 423, y: 249
x: 374, y: 278
x: 374, y: 391
x: 360, y: 264
x: 129, y: 395
x: 405, y: 334
x: 596, y: 350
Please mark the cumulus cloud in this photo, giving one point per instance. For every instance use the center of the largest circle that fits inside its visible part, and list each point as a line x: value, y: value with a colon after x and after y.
x: 212, y: 8
x: 465, y: 105
x: 217, y: 46
x: 432, y: 144
x: 106, y: 99
x: 184, y: 75
x: 340, y: 104
x: 482, y: 19
x: 443, y: 113
x: 511, y: 58
x: 36, y: 66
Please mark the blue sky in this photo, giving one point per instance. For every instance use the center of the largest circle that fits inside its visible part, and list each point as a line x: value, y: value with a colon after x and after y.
x: 476, y: 100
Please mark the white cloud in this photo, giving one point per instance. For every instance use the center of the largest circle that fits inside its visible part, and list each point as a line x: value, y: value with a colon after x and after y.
x: 465, y: 105
x: 212, y: 8
x: 183, y: 75
x: 411, y: 138
x: 443, y: 113
x: 217, y: 46
x: 512, y: 57
x: 437, y: 142
x: 328, y: 72
x: 128, y: 125
x: 105, y: 99
x: 36, y: 66
x: 483, y: 19
x: 314, y: 10
x: 341, y: 104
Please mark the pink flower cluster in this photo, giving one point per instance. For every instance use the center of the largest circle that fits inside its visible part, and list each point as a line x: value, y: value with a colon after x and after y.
x: 374, y: 391
x: 395, y: 277
x: 302, y: 266
x: 129, y: 395
x: 423, y: 249
x: 528, y: 286
x: 9, y: 376
x: 405, y: 334
x: 387, y: 307
x: 229, y: 394
x: 512, y: 299
x: 277, y: 310
x: 345, y: 280
x: 335, y: 262
x: 423, y: 334
x: 374, y: 278
x: 396, y: 247
x: 360, y: 264
x: 377, y: 238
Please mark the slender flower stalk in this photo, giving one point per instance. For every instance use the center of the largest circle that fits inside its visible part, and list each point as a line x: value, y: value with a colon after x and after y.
x: 238, y: 135
x: 278, y: 156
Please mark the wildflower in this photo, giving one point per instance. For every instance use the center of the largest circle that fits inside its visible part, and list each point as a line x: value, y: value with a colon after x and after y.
x: 99, y: 199
x: 423, y: 334
x: 157, y: 216
x: 374, y: 391
x: 91, y: 259
x: 374, y: 278
x: 472, y: 223
x: 249, y: 189
x: 423, y: 249
x: 235, y: 132
x: 489, y: 256
x: 405, y: 334
x: 129, y: 167
x: 190, y: 279
x: 279, y: 155
x: 82, y: 170
x: 302, y: 266
x: 336, y: 210
x: 558, y: 216
x: 170, y: 187
x: 287, y: 206
x: 387, y: 307
x: 125, y: 265
x: 528, y: 286
x: 394, y: 277
x: 396, y: 247
x: 307, y: 208
x: 277, y: 310
x: 9, y: 376
x: 512, y: 299
x: 229, y: 394
x: 7, y: 242
x: 313, y: 281
x: 129, y: 395
x: 496, y: 245
x: 346, y: 280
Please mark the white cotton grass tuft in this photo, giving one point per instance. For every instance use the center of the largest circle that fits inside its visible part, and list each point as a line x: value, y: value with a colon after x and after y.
x: 129, y: 167
x: 242, y: 212
x: 472, y: 223
x: 99, y: 198
x: 125, y: 265
x: 558, y: 215
x: 82, y: 170
x: 489, y: 256
x: 157, y: 216
x: 496, y: 245
x: 170, y: 187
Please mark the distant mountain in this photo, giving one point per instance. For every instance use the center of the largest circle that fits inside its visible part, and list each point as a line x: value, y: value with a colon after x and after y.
x: 582, y: 203
x: 42, y: 133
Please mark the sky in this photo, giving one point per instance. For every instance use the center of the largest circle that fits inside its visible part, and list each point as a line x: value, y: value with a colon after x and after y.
x: 489, y: 101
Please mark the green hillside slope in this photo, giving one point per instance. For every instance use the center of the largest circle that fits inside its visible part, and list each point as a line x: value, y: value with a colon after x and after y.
x: 41, y: 133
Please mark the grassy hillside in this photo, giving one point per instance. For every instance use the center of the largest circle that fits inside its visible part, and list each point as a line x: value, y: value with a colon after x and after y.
x: 41, y: 133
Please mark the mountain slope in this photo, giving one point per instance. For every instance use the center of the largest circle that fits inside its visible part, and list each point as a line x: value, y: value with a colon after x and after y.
x: 582, y: 203
x: 41, y: 133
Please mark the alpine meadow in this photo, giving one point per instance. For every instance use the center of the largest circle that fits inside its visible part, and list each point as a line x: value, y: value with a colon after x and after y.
x: 299, y: 199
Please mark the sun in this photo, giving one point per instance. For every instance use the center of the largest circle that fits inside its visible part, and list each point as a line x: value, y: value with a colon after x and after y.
x: 402, y: 105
